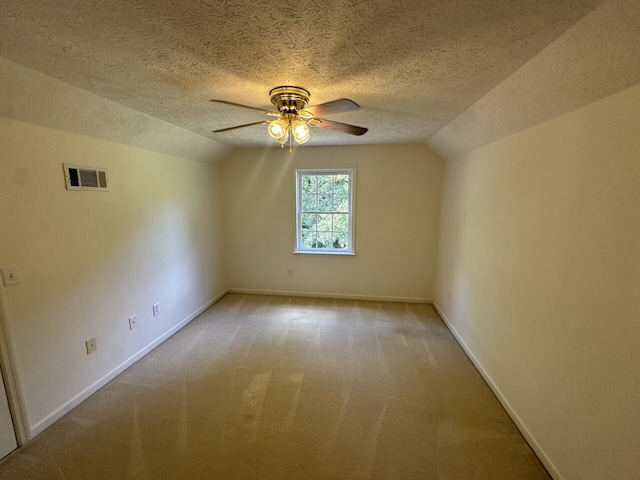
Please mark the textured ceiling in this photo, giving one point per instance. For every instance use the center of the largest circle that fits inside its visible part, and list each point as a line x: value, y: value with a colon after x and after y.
x: 413, y: 66
x: 597, y: 57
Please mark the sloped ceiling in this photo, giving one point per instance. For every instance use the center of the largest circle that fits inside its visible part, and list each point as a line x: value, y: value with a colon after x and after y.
x: 415, y: 67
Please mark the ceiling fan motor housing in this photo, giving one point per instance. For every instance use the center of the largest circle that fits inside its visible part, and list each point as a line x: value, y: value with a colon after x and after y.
x: 289, y: 99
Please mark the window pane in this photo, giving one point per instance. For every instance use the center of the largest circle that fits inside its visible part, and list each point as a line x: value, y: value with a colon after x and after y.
x: 308, y: 221
x: 341, y: 184
x: 341, y: 203
x: 325, y: 223
x: 308, y: 240
x: 325, y: 203
x: 309, y: 184
x: 341, y: 240
x: 341, y: 222
x: 325, y: 183
x: 324, y: 240
x: 309, y: 202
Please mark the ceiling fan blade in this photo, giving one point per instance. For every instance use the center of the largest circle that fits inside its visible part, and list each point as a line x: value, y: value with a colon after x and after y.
x: 335, y: 106
x: 341, y: 127
x: 240, y: 126
x: 246, y: 106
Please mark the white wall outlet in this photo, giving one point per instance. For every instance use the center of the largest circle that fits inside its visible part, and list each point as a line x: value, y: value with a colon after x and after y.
x: 10, y: 276
x: 290, y: 272
x: 156, y: 309
x: 133, y: 322
x: 450, y: 294
x: 92, y: 346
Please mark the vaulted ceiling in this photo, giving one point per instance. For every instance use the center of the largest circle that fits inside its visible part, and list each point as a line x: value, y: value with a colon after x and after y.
x: 420, y: 69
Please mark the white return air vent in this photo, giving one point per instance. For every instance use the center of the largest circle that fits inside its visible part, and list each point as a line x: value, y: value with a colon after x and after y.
x: 78, y: 177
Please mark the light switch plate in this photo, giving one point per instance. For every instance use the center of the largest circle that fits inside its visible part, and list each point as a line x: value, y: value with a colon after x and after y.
x: 10, y: 276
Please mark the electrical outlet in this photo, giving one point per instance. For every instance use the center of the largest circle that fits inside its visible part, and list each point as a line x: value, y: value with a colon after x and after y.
x: 290, y: 272
x: 133, y: 322
x: 10, y: 276
x: 156, y: 309
x: 92, y: 346
x: 450, y: 294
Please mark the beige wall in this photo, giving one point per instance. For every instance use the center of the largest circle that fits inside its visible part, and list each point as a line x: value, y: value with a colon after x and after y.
x: 539, y: 246
x: 89, y: 260
x: 540, y: 249
x: 397, y: 207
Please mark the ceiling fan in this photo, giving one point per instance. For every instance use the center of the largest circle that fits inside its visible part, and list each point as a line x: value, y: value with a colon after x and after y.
x: 294, y: 117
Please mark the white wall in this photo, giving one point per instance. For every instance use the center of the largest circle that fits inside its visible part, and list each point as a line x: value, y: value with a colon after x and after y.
x: 540, y: 247
x: 397, y: 207
x: 89, y: 260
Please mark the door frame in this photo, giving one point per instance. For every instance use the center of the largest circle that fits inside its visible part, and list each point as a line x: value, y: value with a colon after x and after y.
x: 11, y: 382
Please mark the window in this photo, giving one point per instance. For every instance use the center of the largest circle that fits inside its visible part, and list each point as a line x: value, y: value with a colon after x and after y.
x: 324, y: 211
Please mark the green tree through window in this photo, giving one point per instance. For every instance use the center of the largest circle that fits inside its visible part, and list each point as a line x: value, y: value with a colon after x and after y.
x: 325, y: 211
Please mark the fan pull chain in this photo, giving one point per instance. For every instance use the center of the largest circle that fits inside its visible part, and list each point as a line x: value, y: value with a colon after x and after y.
x: 290, y: 142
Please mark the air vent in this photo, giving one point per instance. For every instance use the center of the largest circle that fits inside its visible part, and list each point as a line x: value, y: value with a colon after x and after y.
x: 78, y: 177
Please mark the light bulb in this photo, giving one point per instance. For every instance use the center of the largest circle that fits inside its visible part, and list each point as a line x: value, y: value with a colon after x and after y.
x: 300, y: 131
x: 277, y: 128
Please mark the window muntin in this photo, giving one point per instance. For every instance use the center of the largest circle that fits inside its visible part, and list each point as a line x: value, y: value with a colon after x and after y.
x: 324, y: 208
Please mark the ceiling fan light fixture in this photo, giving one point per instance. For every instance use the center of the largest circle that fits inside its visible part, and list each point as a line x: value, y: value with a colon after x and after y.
x: 300, y: 131
x: 293, y: 119
x: 278, y: 128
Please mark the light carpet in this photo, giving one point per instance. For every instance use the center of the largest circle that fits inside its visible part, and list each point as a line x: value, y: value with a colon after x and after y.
x: 265, y: 387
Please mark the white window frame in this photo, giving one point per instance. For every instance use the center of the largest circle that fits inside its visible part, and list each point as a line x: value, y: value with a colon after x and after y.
x: 351, y: 172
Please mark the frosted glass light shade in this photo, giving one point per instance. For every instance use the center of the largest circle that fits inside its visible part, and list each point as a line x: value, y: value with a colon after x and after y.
x: 300, y: 131
x: 277, y: 128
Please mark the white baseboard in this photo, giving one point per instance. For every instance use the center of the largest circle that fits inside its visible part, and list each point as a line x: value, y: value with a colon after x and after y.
x: 342, y: 296
x: 86, y: 393
x: 526, y: 433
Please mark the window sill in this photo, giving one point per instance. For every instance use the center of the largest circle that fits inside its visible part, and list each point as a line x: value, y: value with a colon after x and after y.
x: 331, y: 252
